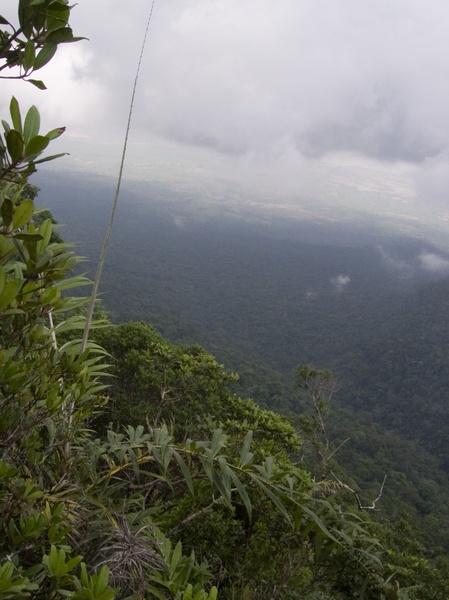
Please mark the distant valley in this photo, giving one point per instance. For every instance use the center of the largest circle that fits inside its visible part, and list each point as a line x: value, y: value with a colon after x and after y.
x: 265, y: 293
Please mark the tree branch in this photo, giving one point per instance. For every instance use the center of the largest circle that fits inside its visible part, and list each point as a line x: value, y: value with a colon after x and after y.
x: 359, y: 503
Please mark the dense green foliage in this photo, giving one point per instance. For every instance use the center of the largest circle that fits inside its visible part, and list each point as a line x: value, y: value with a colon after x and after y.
x: 242, y: 291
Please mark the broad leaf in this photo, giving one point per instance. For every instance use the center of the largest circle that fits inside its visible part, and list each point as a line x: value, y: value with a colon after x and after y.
x: 7, y: 210
x: 14, y: 143
x: 61, y: 36
x: 36, y: 145
x: 23, y: 213
x: 9, y: 292
x: 45, y: 55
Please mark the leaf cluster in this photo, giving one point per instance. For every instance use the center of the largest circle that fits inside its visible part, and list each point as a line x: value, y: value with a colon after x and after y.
x: 30, y: 44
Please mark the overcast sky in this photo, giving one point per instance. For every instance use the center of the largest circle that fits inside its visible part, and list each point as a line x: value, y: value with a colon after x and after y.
x: 269, y: 92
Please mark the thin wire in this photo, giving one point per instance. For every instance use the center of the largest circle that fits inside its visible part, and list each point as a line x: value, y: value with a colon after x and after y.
x: 104, y: 248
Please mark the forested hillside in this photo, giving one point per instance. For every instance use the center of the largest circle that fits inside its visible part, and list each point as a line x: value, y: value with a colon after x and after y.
x: 264, y: 299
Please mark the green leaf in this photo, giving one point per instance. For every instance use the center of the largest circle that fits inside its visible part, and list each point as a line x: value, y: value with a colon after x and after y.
x: 52, y: 157
x: 29, y: 237
x: 58, y: 5
x: 45, y: 229
x: 15, y: 114
x: 23, y: 213
x: 2, y: 278
x: 31, y: 125
x: 243, y: 494
x: 9, y: 292
x: 44, y: 260
x: 246, y: 456
x: 176, y: 557
x: 14, y: 143
x: 29, y: 56
x: 39, y: 84
x: 7, y: 211
x: 55, y: 133
x: 45, y: 55
x: 218, y: 442
x: 275, y: 500
x: 61, y: 35
x: 102, y: 580
x: 318, y: 522
x: 36, y: 145
x: 185, y: 471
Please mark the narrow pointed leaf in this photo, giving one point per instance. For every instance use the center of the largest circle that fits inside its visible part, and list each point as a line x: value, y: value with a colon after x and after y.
x: 276, y: 501
x: 55, y: 133
x: 29, y: 56
x: 52, y: 157
x: 246, y: 456
x: 29, y: 237
x: 243, y: 494
x: 185, y: 471
x: 15, y: 114
x: 38, y: 83
x: 318, y: 522
x: 31, y: 125
x: 176, y: 557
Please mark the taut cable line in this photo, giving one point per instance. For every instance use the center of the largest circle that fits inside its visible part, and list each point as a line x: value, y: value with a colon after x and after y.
x: 93, y: 297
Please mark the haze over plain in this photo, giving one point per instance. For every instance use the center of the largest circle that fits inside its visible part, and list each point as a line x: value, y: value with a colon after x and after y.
x: 337, y: 103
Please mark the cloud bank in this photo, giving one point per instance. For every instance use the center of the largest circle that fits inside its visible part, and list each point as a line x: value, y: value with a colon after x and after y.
x: 260, y: 82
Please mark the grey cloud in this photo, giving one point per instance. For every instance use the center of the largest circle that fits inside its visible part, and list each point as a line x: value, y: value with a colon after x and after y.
x: 347, y: 78
x: 238, y: 76
x: 378, y: 129
x: 277, y: 85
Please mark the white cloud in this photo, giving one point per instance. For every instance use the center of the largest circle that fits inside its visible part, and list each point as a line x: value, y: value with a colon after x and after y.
x: 433, y: 262
x: 401, y: 267
x: 340, y: 282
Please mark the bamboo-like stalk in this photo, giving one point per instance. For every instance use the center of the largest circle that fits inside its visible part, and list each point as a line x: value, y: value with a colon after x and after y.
x: 93, y: 297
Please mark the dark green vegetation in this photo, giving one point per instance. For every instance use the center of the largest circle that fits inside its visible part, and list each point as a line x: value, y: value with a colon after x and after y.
x: 205, y: 500
x: 264, y: 299
x: 172, y: 486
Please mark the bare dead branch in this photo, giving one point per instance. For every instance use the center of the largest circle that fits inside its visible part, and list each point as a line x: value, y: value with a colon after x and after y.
x: 357, y: 497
